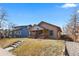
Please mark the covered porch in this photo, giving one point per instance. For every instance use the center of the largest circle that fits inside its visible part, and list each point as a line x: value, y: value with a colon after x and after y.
x: 39, y: 32
x: 42, y: 34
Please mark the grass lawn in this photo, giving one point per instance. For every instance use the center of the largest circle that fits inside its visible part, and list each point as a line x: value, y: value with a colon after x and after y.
x: 36, y: 47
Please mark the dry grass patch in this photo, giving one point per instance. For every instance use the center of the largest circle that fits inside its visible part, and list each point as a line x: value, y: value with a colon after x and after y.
x: 8, y: 41
x: 5, y: 42
x: 35, y: 47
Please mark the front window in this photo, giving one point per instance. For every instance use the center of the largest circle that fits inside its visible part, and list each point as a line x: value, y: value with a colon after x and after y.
x: 51, y: 32
x: 40, y: 31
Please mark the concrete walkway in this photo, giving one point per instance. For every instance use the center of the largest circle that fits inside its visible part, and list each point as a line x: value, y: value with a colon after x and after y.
x: 5, y: 53
x: 72, y: 48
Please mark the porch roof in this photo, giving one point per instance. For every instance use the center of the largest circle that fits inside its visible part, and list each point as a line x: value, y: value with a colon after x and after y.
x: 36, y: 27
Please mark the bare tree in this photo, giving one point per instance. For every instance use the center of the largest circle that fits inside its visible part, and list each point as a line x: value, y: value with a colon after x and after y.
x: 71, y: 28
x: 3, y: 18
x: 3, y: 15
x: 11, y: 29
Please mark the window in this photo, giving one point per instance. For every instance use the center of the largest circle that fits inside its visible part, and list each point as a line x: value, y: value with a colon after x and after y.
x: 40, y: 32
x: 51, y: 32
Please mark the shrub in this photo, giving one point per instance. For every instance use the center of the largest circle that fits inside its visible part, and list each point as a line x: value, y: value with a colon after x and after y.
x: 66, y: 37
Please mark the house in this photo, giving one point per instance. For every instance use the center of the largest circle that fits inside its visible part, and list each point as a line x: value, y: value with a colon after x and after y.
x: 45, y: 30
x: 1, y: 33
x: 19, y: 31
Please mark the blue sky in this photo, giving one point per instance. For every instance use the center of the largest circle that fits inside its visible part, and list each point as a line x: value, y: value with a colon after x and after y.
x: 30, y: 13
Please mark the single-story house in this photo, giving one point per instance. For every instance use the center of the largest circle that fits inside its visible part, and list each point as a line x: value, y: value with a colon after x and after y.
x: 45, y: 30
x: 19, y: 31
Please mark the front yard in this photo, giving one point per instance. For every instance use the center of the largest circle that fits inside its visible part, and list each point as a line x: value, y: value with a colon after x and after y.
x: 36, y: 47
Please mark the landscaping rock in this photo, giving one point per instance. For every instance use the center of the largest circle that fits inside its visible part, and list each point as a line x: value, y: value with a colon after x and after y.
x: 13, y: 46
x: 9, y: 48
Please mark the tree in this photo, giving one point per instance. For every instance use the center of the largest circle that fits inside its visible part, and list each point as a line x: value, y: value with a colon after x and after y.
x: 11, y: 29
x: 71, y: 29
x: 3, y: 15
x: 3, y: 18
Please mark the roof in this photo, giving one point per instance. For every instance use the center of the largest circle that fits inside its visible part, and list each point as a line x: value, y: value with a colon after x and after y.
x: 24, y: 26
x: 36, y: 27
x: 21, y: 27
x: 50, y: 25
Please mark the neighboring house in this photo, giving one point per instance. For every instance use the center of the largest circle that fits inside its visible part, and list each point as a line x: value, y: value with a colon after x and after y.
x: 45, y: 30
x: 1, y: 33
x: 20, y: 31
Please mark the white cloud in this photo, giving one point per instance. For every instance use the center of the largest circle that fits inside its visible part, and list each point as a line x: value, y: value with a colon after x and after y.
x: 69, y: 5
x: 77, y: 11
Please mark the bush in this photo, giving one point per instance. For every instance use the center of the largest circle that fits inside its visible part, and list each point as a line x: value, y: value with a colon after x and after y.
x: 66, y: 37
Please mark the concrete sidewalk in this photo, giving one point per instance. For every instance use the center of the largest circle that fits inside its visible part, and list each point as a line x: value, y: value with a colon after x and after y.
x: 72, y: 48
x: 5, y: 53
